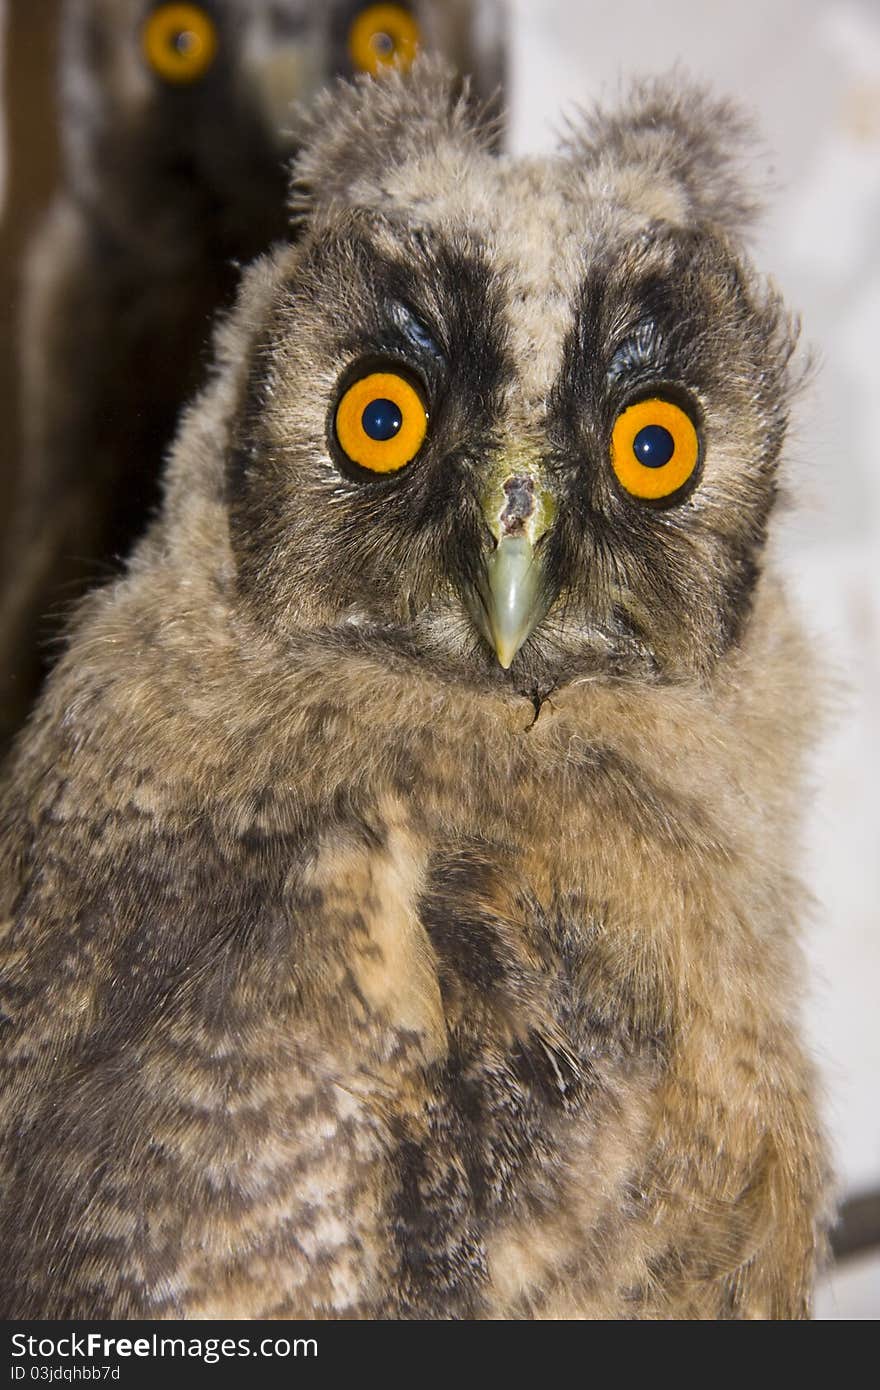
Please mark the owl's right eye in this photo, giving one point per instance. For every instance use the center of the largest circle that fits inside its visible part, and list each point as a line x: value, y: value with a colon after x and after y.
x: 381, y: 422
x: 383, y: 35
x: 179, y: 42
x: 655, y: 450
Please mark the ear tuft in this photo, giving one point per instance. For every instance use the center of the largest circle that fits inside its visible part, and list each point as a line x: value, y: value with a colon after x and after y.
x: 675, y: 151
x: 357, y: 133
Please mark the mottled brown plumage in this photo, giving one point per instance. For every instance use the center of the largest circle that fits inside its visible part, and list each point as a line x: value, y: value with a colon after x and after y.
x: 168, y: 188
x: 346, y: 973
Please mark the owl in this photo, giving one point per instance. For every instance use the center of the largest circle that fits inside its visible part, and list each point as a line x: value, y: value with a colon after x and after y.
x: 400, y: 918
x: 177, y: 121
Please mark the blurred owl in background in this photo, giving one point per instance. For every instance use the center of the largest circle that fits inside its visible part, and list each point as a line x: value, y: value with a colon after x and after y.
x: 397, y: 882
x: 176, y: 120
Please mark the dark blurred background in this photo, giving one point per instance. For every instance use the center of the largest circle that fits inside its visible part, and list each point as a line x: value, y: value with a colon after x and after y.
x: 31, y: 170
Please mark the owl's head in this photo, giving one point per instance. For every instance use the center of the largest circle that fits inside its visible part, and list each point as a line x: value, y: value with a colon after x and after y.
x: 516, y: 418
x: 185, y: 113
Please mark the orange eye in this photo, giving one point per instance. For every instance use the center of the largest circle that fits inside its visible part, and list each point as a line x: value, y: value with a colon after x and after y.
x: 381, y: 422
x: 179, y: 42
x: 382, y: 36
x: 655, y: 449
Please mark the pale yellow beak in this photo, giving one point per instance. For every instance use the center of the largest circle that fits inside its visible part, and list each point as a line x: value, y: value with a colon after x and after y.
x: 513, y: 594
x: 282, y: 76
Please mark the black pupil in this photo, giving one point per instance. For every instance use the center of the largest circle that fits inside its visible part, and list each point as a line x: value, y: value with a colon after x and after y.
x: 383, y: 44
x: 185, y: 42
x: 381, y: 419
x: 653, y: 446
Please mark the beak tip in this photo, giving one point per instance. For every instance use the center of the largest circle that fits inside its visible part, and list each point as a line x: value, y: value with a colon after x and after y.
x: 505, y: 654
x: 511, y: 599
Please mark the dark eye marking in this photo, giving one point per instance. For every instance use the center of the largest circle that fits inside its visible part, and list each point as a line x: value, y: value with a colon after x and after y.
x: 641, y: 348
x: 414, y: 330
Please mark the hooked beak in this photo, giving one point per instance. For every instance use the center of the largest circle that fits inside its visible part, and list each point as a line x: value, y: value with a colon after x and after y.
x: 282, y: 76
x: 512, y: 594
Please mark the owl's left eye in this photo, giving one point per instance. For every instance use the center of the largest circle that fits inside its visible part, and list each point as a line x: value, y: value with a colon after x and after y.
x: 655, y: 449
x: 383, y: 35
x: 179, y: 42
x: 381, y: 422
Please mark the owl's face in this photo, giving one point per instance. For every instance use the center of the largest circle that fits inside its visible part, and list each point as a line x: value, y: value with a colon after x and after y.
x: 516, y: 419
x: 185, y: 111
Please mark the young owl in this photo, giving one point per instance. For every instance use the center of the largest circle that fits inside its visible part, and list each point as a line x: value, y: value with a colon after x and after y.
x: 397, y: 871
x: 176, y: 123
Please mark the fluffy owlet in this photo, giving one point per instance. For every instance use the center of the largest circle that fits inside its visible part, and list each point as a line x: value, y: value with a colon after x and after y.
x: 177, y: 123
x: 399, y: 918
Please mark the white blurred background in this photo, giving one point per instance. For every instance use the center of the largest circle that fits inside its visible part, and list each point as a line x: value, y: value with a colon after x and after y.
x: 809, y: 70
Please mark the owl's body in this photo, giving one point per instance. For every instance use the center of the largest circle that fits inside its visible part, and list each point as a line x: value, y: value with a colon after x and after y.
x: 169, y: 187
x: 361, y: 960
